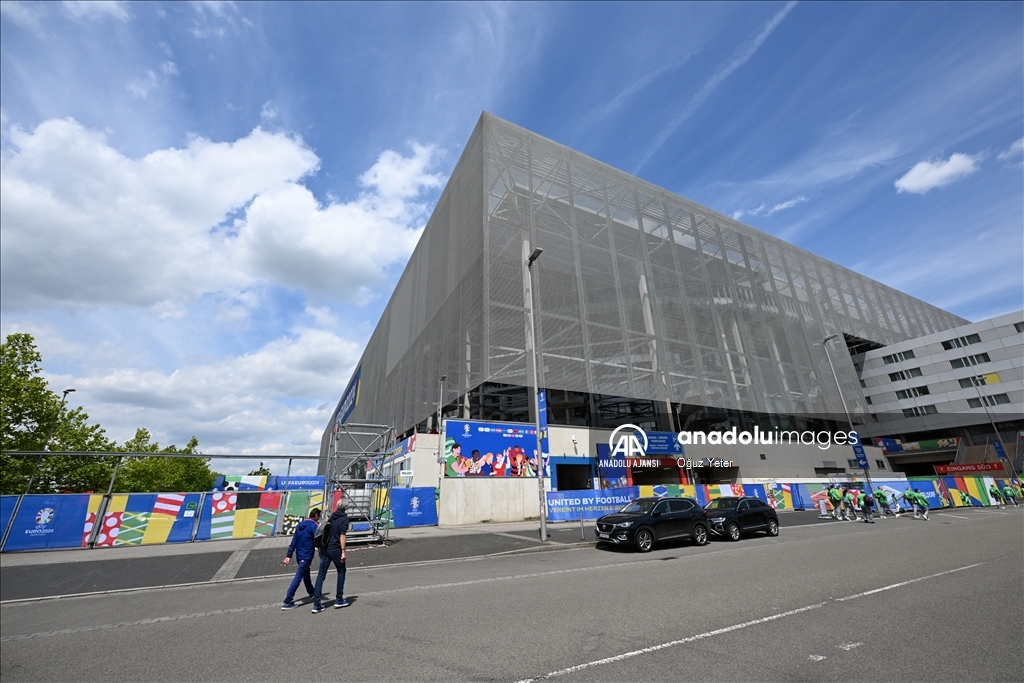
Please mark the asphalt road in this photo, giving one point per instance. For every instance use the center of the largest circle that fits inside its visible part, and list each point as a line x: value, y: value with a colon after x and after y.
x: 119, y: 573
x: 901, y: 600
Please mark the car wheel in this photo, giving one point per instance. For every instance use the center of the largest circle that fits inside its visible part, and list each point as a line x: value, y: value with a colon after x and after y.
x: 733, y: 531
x: 644, y: 540
x: 773, y: 527
x: 700, y: 534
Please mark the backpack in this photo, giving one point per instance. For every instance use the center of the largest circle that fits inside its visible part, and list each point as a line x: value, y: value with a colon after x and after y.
x: 869, y: 500
x: 322, y: 535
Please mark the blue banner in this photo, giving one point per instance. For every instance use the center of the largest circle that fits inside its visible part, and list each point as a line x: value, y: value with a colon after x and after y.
x: 414, y: 507
x: 49, y: 521
x: 858, y: 453
x: 542, y: 413
x: 757, y: 491
x: 490, y: 449
x: 564, y: 506
x: 296, y: 482
x: 611, y: 471
x: 663, y: 443
x: 349, y: 400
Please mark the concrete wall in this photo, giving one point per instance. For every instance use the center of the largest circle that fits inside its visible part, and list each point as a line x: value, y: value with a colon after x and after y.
x: 473, y: 500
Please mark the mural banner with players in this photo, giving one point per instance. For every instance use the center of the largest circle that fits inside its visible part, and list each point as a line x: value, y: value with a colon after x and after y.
x: 414, y: 507
x: 490, y: 449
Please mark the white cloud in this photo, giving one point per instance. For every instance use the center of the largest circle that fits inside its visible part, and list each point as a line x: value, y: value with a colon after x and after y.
x: 927, y: 175
x: 142, y: 86
x: 96, y: 11
x: 739, y: 58
x: 208, y: 12
x: 25, y: 14
x: 269, y: 111
x: 276, y: 399
x: 765, y: 210
x: 85, y: 226
x: 1015, y: 150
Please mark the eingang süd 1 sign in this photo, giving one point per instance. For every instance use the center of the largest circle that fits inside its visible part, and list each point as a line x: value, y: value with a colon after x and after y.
x: 490, y: 449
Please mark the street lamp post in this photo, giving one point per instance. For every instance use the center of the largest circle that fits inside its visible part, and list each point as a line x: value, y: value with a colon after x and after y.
x: 440, y: 434
x: 49, y: 435
x: 977, y: 384
x: 528, y: 281
x: 824, y: 343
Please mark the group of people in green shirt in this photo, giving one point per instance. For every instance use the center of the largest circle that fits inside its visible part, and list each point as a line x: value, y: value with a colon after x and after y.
x: 1009, y: 494
x: 845, y: 503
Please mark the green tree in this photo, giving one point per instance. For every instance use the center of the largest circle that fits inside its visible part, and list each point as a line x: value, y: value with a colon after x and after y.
x: 260, y: 471
x: 28, y: 410
x: 142, y: 474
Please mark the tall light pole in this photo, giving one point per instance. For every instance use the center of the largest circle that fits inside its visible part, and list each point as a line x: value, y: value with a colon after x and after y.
x: 977, y: 384
x: 528, y: 281
x: 49, y: 435
x: 824, y: 343
x: 440, y: 434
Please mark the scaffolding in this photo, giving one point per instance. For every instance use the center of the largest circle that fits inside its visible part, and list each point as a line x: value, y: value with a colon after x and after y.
x: 355, y: 459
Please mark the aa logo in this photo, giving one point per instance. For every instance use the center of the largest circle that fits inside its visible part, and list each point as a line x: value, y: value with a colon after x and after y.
x: 628, y: 441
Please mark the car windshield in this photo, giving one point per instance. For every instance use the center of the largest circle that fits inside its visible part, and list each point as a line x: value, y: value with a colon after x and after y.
x: 642, y: 506
x: 722, y: 504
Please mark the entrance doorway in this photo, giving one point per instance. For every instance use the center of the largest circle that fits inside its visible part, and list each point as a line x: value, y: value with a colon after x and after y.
x: 573, y: 477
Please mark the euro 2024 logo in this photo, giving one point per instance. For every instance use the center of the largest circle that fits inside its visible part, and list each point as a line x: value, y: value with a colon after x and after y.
x: 44, y: 516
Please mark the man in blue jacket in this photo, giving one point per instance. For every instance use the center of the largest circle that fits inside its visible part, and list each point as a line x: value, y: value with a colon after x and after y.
x: 334, y: 554
x: 302, y: 546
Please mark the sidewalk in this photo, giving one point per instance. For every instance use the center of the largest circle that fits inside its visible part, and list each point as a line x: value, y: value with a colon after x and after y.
x: 46, y: 557
x: 27, y: 576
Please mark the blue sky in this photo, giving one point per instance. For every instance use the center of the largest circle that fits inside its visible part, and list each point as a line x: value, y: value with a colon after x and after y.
x: 182, y: 184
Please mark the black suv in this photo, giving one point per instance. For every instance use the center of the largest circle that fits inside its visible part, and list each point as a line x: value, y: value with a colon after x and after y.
x: 646, y: 521
x: 730, y: 517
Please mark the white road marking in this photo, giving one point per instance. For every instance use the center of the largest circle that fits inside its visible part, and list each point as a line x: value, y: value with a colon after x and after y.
x: 655, y: 648
x: 848, y: 646
x: 736, y: 627
x: 816, y: 658
x: 905, y: 583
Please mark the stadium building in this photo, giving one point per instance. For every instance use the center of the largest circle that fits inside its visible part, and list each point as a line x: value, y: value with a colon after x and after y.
x: 648, y: 309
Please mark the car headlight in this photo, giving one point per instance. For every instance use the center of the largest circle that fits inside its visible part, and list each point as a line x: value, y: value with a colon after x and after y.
x: 623, y: 525
x: 718, y: 520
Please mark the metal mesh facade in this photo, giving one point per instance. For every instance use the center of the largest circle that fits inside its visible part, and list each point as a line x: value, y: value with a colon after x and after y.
x: 640, y: 294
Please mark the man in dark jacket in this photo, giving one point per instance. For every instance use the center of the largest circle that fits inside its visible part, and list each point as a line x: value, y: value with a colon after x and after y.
x: 334, y: 554
x: 302, y: 546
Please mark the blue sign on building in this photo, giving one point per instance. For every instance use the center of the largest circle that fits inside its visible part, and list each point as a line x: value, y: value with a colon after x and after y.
x: 858, y: 451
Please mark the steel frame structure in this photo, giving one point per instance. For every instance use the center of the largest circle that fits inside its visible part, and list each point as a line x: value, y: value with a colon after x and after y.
x: 352, y: 447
